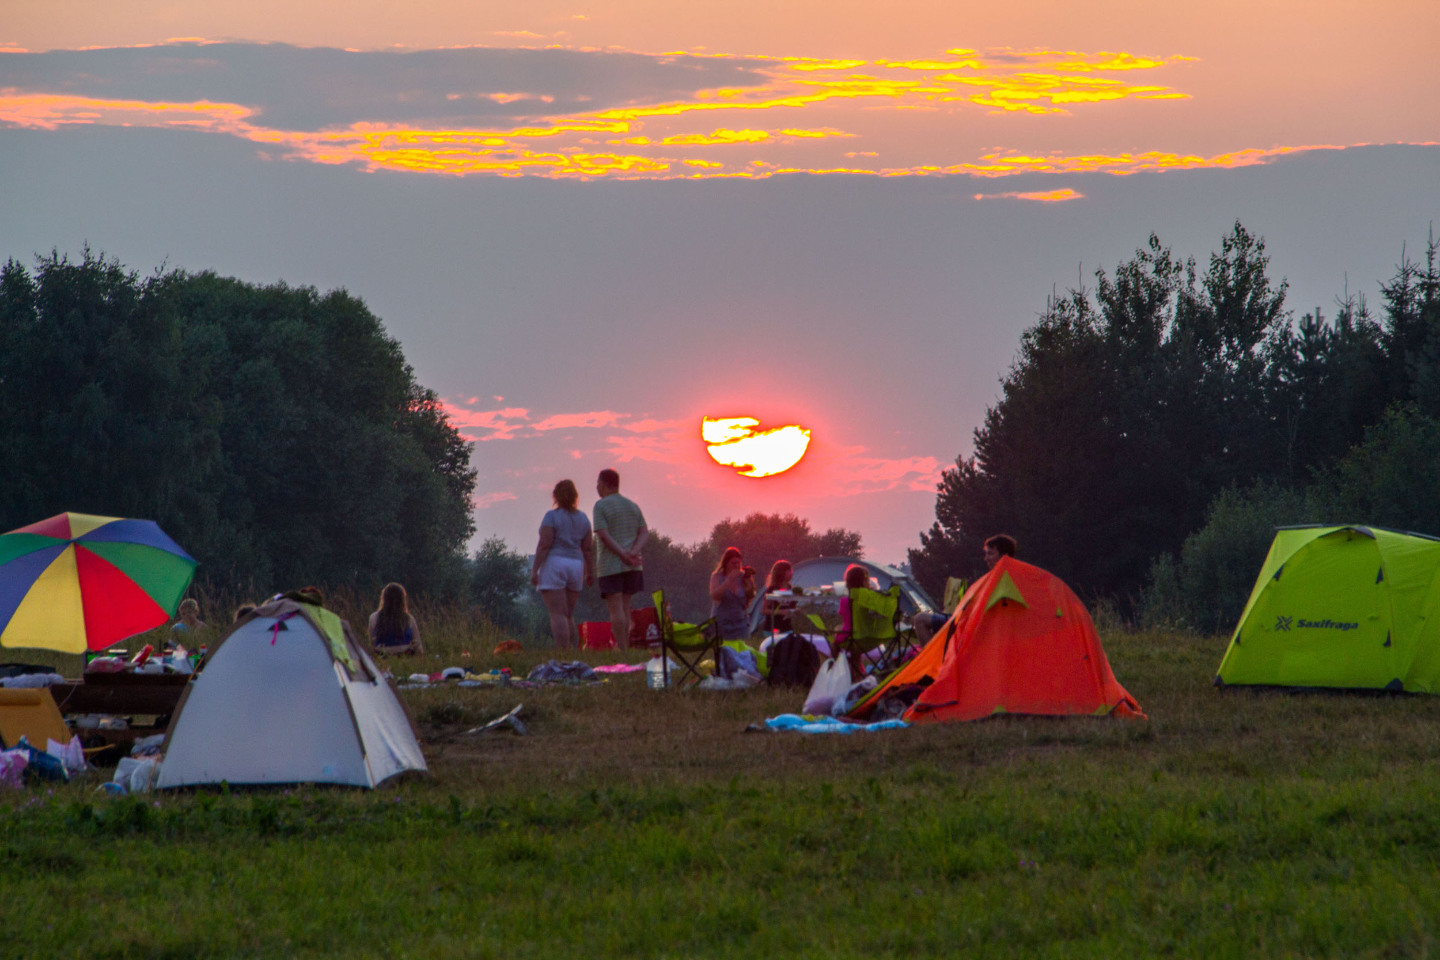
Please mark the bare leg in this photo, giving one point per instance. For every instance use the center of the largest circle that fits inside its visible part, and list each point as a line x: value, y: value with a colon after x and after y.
x: 572, y: 597
x: 561, y: 624
x: 619, y: 604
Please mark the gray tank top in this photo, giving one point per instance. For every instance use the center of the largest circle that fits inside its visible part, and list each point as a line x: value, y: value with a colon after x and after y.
x: 731, y: 615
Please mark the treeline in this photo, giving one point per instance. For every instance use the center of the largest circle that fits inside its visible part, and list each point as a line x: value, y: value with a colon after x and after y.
x: 1170, y: 396
x: 275, y: 432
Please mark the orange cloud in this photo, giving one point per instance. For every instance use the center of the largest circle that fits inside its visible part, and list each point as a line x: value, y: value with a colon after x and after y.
x: 1046, y: 196
x: 649, y: 135
x: 1126, y: 163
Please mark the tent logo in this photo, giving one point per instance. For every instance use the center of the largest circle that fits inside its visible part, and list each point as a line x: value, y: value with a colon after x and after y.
x: 1282, y: 624
x: 1326, y: 625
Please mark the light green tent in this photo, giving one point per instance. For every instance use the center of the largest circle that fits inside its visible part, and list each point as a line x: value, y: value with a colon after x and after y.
x: 1342, y: 607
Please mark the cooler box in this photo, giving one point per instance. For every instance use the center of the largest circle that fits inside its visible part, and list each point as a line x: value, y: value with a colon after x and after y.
x: 644, y: 627
x: 596, y: 635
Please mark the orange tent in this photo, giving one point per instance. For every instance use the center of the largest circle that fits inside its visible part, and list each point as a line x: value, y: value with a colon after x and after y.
x: 1020, y: 641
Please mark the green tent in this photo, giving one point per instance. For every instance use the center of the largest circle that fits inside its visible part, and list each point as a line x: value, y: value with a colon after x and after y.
x: 1342, y: 607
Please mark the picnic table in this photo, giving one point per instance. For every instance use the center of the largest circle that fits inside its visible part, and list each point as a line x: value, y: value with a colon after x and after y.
x: 138, y: 696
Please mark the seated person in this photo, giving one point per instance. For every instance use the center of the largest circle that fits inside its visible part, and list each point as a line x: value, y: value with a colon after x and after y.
x: 392, y: 629
x: 189, y: 621
x: 926, y: 624
x: 777, y: 612
x: 856, y: 578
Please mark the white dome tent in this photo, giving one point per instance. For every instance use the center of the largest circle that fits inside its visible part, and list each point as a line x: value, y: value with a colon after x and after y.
x: 288, y: 696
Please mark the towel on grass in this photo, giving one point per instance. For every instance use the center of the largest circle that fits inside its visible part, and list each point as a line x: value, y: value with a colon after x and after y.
x: 803, y: 723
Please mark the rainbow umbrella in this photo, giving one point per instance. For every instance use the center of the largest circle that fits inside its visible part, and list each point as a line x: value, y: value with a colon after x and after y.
x: 77, y: 582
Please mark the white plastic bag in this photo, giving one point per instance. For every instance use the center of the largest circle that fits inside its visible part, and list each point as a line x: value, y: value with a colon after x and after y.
x: 71, y: 754
x: 830, y: 686
x: 135, y: 775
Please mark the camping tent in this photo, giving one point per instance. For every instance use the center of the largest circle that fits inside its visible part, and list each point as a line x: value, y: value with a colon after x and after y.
x: 1346, y: 607
x: 1020, y: 641
x: 288, y: 696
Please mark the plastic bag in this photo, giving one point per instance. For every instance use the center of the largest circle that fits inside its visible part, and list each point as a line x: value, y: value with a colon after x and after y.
x: 135, y: 775
x: 12, y: 768
x: 71, y: 755
x: 830, y: 686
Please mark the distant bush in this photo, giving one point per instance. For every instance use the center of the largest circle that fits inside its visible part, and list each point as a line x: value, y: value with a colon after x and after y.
x: 1206, y: 586
x: 1391, y: 479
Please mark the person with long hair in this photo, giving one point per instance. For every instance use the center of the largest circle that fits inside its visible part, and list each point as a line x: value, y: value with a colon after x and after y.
x: 393, y: 629
x: 856, y: 578
x: 564, y: 562
x: 782, y: 573
x: 732, y: 587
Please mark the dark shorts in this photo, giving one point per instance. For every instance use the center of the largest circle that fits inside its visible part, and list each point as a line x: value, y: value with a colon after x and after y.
x: 631, y: 581
x: 933, y: 620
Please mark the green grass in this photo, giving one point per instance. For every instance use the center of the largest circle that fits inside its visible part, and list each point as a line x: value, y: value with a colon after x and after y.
x: 650, y: 824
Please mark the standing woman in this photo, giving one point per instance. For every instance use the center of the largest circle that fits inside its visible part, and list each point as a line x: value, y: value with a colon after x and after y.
x: 564, y: 562
x: 732, y: 587
x: 392, y: 627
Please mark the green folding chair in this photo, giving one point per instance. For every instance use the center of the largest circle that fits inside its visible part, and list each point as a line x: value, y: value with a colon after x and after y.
x: 874, y: 624
x: 689, y: 642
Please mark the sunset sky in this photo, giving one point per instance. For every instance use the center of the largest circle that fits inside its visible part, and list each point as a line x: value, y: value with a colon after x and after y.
x: 592, y: 225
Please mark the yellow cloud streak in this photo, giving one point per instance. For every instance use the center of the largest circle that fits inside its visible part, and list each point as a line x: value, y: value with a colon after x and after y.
x: 716, y: 137
x: 1004, y: 88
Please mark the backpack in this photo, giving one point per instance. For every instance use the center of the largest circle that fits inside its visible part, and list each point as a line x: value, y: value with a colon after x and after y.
x: 794, y: 662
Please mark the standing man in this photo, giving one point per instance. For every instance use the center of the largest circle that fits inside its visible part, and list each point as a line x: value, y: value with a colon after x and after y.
x: 620, y: 533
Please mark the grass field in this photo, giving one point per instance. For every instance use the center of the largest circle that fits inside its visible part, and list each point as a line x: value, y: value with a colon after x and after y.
x: 651, y: 824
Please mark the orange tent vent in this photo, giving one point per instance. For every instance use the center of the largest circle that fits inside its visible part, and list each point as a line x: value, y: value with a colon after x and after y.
x: 1021, y: 642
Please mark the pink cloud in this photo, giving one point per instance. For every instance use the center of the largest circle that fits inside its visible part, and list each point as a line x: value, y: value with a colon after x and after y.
x: 651, y: 426
x: 501, y: 424
x: 857, y: 474
x: 568, y: 421
x: 490, y: 499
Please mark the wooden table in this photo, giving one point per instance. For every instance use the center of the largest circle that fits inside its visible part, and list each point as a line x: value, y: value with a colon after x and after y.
x: 136, y: 695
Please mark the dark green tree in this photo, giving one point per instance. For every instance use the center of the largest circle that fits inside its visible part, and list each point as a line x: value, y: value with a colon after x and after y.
x: 1120, y: 420
x: 275, y: 432
x: 499, y: 578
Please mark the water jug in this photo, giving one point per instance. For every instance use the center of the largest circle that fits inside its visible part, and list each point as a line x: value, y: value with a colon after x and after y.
x: 655, y: 674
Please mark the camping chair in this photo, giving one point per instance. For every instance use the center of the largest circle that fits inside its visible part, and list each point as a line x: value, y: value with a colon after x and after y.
x: 689, y: 642
x: 874, y: 616
x: 954, y: 589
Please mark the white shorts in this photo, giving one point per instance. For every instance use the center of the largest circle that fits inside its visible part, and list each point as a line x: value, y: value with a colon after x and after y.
x: 562, y: 573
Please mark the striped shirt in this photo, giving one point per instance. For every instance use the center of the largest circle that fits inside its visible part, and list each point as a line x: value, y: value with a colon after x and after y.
x: 622, y: 519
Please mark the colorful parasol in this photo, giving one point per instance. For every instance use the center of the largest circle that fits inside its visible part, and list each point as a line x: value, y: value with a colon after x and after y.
x: 77, y: 582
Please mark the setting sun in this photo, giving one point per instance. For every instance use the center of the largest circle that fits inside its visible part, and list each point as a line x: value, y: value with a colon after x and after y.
x: 734, y: 442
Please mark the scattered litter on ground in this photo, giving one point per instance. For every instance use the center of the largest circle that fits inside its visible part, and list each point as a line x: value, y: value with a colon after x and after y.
x: 563, y: 671
x: 511, y: 720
